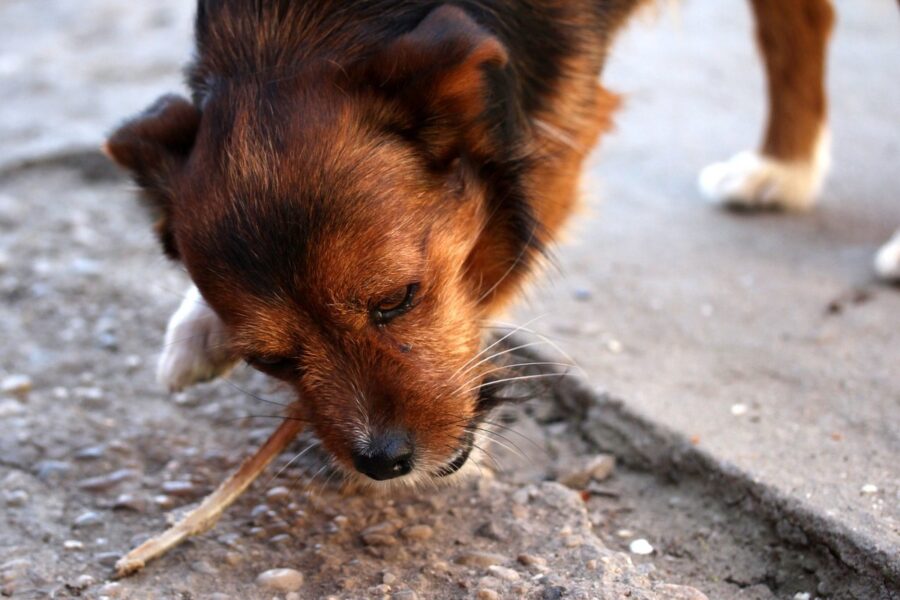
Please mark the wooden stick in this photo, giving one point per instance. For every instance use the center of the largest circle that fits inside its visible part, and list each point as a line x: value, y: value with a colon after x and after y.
x: 205, y: 516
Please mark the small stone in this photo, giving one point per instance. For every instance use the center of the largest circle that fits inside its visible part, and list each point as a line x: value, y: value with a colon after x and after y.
x: 869, y: 488
x: 552, y: 592
x: 281, y: 580
x: 15, y: 384
x: 88, y: 519
x: 379, y: 590
x: 233, y: 558
x: 487, y: 594
x: 381, y: 534
x: 489, y: 530
x: 179, y: 488
x: 104, y: 482
x: 640, y: 546
x: 530, y: 560
x: 802, y: 596
x: 202, y: 566
x: 503, y: 573
x: 73, y: 545
x: 107, y: 559
x: 480, y: 559
x: 278, y: 494
x: 90, y: 453
x: 292, y: 596
x: 389, y: 578
x: 624, y: 533
x: 15, y: 498
x: 83, y: 581
x: 417, y: 533
x: 163, y: 501
x: 404, y: 595
x: 597, y: 467
x: 128, y: 501
x: 738, y: 409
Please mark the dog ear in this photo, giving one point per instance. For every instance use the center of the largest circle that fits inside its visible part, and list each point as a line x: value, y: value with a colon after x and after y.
x: 440, y: 72
x: 154, y: 146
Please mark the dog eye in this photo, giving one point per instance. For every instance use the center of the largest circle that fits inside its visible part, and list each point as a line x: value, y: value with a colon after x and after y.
x: 273, y: 365
x: 396, y: 304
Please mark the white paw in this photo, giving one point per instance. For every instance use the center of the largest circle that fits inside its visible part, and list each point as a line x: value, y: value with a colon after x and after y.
x: 196, y: 345
x: 752, y: 180
x: 887, y: 261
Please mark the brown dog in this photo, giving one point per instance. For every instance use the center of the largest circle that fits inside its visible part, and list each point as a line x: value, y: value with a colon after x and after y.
x: 355, y: 186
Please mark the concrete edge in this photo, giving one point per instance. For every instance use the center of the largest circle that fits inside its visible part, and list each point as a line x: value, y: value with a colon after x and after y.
x: 611, y: 426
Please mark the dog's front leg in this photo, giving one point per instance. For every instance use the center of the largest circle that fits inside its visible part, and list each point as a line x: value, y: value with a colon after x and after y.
x: 196, y: 347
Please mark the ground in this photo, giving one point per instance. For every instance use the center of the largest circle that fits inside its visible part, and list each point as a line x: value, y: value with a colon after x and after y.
x: 741, y: 367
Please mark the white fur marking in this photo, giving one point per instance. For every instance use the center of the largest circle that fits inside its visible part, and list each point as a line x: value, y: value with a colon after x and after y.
x: 195, y: 347
x: 887, y: 261
x: 753, y: 180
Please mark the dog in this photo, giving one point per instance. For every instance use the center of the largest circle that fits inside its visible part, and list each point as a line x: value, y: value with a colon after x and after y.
x: 355, y: 187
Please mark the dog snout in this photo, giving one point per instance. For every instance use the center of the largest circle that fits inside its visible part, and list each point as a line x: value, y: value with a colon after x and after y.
x: 388, y: 455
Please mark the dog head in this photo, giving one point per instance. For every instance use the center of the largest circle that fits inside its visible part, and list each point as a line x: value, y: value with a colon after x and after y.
x: 339, y: 221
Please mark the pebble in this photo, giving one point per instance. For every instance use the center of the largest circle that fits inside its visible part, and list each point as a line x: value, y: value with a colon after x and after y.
x: 278, y: 494
x: 107, y: 559
x: 16, y: 498
x: 504, y: 573
x: 404, y: 595
x: 597, y: 467
x: 102, y: 483
x: 640, y: 546
x: 389, y: 578
x: 15, y: 384
x: 83, y: 581
x: 480, y: 559
x: 417, y: 533
x: 489, y: 530
x: 179, y: 488
x: 738, y: 409
x: 381, y: 534
x: 202, y: 566
x: 281, y: 580
x: 128, y: 501
x: 801, y: 596
x: 530, y: 560
x: 90, y: 453
x: 73, y: 545
x: 487, y: 594
x: 292, y: 596
x: 869, y: 488
x: 88, y: 519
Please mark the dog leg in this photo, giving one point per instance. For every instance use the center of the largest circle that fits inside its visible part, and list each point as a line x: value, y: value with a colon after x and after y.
x: 205, y: 516
x: 196, y: 345
x: 887, y: 261
x: 789, y: 169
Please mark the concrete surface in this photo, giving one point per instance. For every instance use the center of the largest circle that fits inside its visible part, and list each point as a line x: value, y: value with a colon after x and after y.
x: 763, y: 338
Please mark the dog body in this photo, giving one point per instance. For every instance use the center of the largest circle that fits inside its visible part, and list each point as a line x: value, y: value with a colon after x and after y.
x: 355, y: 187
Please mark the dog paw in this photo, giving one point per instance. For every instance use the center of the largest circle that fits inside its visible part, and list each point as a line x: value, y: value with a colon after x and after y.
x: 752, y: 180
x: 196, y: 345
x: 887, y: 261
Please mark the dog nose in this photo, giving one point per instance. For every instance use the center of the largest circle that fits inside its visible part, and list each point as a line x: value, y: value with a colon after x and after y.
x: 389, y: 455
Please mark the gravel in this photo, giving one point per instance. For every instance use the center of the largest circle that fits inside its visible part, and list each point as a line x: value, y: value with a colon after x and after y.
x: 281, y: 580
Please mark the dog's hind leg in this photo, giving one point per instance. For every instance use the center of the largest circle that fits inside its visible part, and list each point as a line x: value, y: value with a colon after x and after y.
x: 788, y: 170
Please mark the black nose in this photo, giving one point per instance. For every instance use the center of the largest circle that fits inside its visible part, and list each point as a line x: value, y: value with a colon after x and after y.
x: 389, y: 455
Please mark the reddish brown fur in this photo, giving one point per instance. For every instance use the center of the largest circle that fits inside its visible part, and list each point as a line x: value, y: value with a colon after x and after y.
x: 793, y: 39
